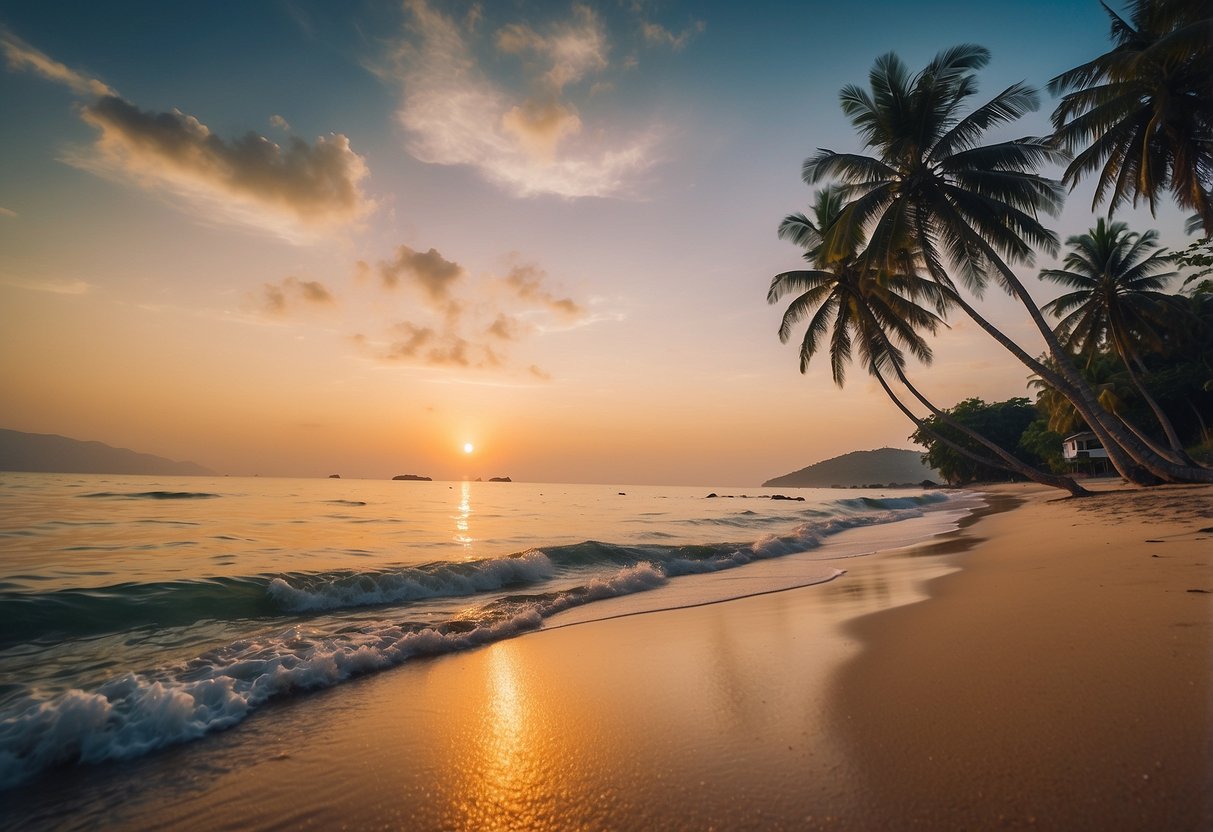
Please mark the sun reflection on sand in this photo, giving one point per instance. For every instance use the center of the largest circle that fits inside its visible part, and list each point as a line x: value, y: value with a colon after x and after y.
x: 507, y: 783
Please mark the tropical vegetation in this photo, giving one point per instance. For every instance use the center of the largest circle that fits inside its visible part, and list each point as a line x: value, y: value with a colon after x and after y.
x: 930, y: 212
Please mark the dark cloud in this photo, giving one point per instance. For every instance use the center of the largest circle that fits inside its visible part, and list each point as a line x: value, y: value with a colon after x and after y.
x: 308, y: 184
x: 429, y: 270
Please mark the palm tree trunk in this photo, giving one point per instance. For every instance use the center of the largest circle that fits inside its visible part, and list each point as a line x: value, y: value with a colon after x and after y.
x: 1205, y: 436
x: 1010, y: 461
x: 1128, y: 454
x: 924, y: 426
x: 1129, y: 356
x: 1131, y: 457
x: 1120, y: 459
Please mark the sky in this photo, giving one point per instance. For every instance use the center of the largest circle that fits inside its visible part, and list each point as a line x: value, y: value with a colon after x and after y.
x: 300, y: 238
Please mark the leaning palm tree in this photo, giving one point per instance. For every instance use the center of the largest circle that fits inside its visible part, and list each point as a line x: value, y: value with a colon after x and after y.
x: 1140, y: 116
x: 865, y: 312
x: 973, y: 206
x: 1116, y: 277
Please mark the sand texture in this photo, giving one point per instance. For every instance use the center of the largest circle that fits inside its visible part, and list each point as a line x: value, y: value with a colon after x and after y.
x: 1061, y: 680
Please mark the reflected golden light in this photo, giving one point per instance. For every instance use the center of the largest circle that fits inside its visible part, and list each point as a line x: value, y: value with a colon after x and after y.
x: 462, y: 525
x: 505, y: 791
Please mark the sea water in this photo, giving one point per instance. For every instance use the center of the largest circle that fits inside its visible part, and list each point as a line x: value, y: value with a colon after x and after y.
x: 140, y: 612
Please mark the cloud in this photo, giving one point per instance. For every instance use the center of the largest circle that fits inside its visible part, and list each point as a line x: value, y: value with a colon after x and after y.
x: 540, y: 126
x: 293, y: 190
x: 526, y: 282
x: 54, y: 287
x: 429, y: 270
x: 7, y: 212
x: 279, y: 122
x: 530, y: 141
x: 279, y: 298
x: 250, y: 179
x: 572, y: 49
x: 657, y: 35
x: 464, y: 321
x: 425, y: 345
x: 21, y: 56
x: 507, y: 328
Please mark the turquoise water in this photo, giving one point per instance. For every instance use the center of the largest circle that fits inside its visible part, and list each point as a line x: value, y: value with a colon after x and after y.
x: 140, y: 612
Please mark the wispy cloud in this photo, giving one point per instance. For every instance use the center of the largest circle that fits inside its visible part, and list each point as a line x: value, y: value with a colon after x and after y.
x: 527, y: 282
x: 532, y: 140
x: 291, y: 292
x: 296, y: 190
x: 54, y: 287
x: 657, y: 35
x: 7, y: 212
x: 21, y: 56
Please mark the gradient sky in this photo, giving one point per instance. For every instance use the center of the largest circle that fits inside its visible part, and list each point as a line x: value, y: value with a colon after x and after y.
x: 299, y: 238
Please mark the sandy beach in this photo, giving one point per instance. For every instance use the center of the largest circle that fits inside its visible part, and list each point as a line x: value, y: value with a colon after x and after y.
x: 1047, y: 666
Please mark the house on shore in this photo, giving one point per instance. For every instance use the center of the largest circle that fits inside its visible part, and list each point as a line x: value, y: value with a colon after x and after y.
x: 1086, y: 453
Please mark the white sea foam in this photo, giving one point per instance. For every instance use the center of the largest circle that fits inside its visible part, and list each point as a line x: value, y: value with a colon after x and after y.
x: 134, y: 714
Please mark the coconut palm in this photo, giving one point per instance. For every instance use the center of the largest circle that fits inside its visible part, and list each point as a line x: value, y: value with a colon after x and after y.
x: 975, y: 207
x: 864, y: 311
x: 1116, y: 302
x: 1140, y: 116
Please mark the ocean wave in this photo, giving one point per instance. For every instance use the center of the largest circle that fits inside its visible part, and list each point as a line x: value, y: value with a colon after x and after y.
x: 76, y: 613
x: 138, y: 713
x: 150, y: 495
x: 313, y: 645
x: 115, y: 608
x: 311, y: 593
x: 887, y: 503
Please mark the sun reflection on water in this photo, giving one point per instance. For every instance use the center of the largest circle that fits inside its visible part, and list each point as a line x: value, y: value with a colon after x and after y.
x: 462, y: 526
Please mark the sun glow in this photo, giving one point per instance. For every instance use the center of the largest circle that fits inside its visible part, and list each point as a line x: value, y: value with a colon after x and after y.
x: 468, y: 447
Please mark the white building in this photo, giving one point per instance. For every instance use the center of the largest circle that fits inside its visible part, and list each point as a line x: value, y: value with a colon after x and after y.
x: 1086, y: 453
x: 1083, y: 445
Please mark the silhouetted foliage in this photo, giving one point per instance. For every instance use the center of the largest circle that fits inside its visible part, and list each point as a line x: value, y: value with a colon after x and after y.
x: 1001, y: 422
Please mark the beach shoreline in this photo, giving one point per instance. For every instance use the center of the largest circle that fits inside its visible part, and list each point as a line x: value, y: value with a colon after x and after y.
x: 1060, y: 679
x: 1057, y: 676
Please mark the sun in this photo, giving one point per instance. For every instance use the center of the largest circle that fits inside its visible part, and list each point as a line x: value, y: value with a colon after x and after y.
x: 468, y: 447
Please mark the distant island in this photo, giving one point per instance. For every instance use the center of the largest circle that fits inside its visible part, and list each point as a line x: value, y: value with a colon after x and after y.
x: 500, y: 479
x: 881, y: 467
x: 48, y: 453
x: 413, y: 478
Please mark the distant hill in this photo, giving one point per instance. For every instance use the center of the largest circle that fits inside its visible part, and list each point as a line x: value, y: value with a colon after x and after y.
x: 51, y: 454
x: 885, y: 465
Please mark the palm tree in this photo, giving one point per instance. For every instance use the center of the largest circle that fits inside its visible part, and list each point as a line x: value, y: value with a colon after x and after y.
x: 1141, y: 114
x: 865, y: 311
x: 1116, y: 277
x: 974, y: 206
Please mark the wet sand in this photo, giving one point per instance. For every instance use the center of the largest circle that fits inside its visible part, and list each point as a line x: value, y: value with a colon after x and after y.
x: 1060, y: 679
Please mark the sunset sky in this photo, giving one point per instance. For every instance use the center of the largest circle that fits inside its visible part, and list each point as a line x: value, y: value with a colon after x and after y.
x: 299, y: 238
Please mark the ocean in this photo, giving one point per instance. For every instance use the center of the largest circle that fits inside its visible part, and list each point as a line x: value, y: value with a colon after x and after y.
x: 142, y: 612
